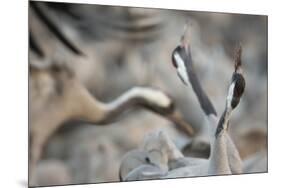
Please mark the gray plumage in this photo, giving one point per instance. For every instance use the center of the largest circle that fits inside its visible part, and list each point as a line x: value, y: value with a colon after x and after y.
x: 145, y: 172
x: 137, y: 165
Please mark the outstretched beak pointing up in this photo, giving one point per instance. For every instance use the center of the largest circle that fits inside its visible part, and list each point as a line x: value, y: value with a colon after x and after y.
x: 237, y: 86
x: 235, y: 92
x: 181, y: 57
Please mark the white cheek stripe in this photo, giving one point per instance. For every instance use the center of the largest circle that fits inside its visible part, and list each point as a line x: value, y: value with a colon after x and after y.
x: 230, y: 95
x: 181, y: 68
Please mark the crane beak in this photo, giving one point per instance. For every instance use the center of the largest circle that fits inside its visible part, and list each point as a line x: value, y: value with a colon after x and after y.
x: 177, y: 118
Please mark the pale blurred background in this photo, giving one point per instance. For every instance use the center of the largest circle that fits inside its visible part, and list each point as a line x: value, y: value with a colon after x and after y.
x: 126, y: 47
